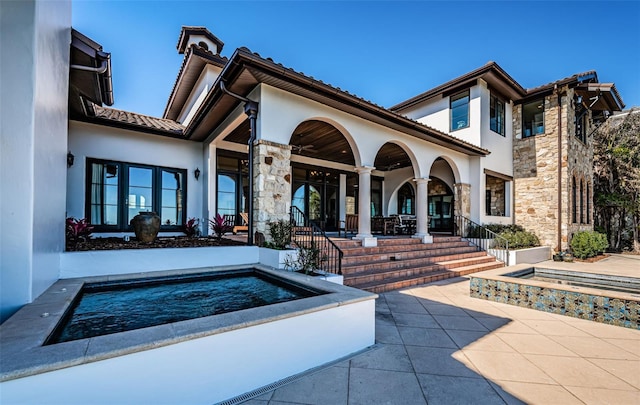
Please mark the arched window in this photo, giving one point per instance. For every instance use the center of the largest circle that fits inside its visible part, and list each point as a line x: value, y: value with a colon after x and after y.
x: 588, y: 204
x: 574, y: 202
x: 582, y: 202
x: 203, y: 45
x: 406, y: 200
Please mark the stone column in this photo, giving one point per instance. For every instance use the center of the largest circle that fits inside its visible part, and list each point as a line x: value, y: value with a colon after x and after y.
x: 462, y: 199
x: 422, y: 211
x: 272, y: 183
x: 364, y: 207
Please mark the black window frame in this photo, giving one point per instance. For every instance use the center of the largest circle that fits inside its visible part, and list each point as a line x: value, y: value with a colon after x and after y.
x: 494, y: 101
x: 456, y: 97
x: 123, y: 186
x: 524, y: 122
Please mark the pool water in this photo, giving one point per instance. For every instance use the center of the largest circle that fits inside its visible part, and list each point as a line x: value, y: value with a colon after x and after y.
x: 112, y: 307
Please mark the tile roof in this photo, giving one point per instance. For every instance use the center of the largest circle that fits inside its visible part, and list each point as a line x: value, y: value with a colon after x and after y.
x: 133, y: 120
x: 569, y: 79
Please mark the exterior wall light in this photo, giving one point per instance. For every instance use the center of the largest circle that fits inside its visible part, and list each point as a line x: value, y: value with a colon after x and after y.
x: 70, y: 159
x: 197, y: 173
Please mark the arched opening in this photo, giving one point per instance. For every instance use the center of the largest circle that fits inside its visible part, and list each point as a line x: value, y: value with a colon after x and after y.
x: 406, y: 200
x: 325, y: 193
x: 441, y: 201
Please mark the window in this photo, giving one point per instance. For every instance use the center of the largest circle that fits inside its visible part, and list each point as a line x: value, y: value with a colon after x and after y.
x: 118, y: 191
x: 574, y: 194
x: 580, y: 120
x: 533, y: 118
x: 406, y: 200
x: 376, y: 196
x: 496, y: 108
x: 459, y: 104
x: 233, y: 185
x: 582, y: 202
x: 588, y: 205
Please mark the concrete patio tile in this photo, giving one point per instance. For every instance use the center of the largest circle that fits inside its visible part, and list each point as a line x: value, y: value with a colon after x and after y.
x: 506, y: 366
x: 482, y: 310
x: 368, y: 387
x: 535, y: 344
x: 577, y: 372
x: 406, y: 308
x: 439, y: 361
x: 524, y: 313
x: 592, y: 347
x: 328, y: 386
x: 602, y: 330
x: 506, y: 325
x: 397, y: 298
x: 630, y: 345
x: 416, y: 320
x: 388, y: 334
x: 387, y: 357
x: 599, y: 396
x: 425, y: 337
x: 534, y: 394
x: 627, y: 370
x: 385, y: 319
x: 459, y: 323
x: 448, y: 390
x: 256, y: 402
x: 441, y: 309
x: 472, y: 340
x: 553, y: 327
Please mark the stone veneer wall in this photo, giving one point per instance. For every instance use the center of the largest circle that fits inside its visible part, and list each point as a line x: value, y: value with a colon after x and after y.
x: 535, y: 167
x: 497, y: 188
x: 272, y: 184
x: 462, y: 199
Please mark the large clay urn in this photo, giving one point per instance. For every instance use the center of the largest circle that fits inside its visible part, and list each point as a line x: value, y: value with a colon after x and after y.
x: 146, y: 226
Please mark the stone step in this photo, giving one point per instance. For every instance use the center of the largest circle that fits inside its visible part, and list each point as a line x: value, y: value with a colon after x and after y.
x: 350, y: 259
x: 373, y: 265
x: 361, y: 251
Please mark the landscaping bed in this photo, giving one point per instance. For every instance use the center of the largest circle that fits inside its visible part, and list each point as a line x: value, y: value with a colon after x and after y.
x: 163, y: 242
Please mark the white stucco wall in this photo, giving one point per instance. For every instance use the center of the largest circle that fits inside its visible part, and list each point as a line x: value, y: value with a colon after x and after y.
x: 200, y: 90
x: 34, y: 72
x: 101, y: 142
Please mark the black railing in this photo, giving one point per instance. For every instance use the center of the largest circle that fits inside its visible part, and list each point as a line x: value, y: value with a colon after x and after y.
x: 305, y: 234
x: 482, y: 238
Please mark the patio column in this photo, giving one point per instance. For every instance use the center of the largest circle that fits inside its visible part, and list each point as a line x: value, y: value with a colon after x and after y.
x: 364, y: 207
x: 422, y: 211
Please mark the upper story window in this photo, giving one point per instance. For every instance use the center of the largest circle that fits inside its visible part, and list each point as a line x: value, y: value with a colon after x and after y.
x: 118, y: 191
x: 459, y: 104
x: 496, y: 108
x: 533, y: 118
x: 580, y: 120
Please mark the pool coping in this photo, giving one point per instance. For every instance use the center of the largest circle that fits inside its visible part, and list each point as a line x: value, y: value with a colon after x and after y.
x: 22, y: 335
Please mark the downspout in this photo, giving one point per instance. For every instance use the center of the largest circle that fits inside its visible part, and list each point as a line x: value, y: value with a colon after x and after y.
x: 251, y: 109
x: 103, y: 69
x: 559, y: 239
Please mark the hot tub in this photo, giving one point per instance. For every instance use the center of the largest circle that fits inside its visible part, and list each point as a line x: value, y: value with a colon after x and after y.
x: 202, y: 360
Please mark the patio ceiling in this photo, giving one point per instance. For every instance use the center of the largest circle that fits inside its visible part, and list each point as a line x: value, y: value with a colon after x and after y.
x: 391, y: 157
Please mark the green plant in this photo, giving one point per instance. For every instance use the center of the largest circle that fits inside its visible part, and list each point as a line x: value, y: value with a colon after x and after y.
x: 280, y: 234
x: 516, y: 240
x: 309, y: 259
x: 192, y: 227
x: 585, y: 244
x: 219, y: 226
x: 77, y: 230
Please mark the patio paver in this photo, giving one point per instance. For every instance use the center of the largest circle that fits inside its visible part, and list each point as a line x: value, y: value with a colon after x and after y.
x: 436, y: 345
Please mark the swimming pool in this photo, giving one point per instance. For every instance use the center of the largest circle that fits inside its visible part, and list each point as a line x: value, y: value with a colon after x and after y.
x: 614, y: 300
x: 109, y: 307
x: 202, y: 360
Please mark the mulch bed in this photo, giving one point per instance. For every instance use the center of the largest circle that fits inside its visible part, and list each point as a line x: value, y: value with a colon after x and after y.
x: 167, y: 242
x: 592, y: 259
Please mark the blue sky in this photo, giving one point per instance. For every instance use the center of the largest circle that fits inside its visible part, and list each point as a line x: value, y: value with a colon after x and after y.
x: 382, y: 51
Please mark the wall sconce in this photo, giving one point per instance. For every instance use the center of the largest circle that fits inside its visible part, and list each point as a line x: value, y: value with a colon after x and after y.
x: 197, y: 173
x: 70, y: 159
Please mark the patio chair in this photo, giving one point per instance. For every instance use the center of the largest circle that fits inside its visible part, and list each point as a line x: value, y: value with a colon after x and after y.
x: 349, y: 224
x: 245, y: 223
x: 394, y: 225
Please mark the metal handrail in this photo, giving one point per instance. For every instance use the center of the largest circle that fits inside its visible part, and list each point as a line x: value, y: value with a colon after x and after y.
x: 482, y: 238
x: 306, y: 234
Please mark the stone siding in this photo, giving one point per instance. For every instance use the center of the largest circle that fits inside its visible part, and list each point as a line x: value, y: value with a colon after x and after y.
x: 462, y: 199
x: 272, y: 184
x: 497, y: 188
x: 535, y: 162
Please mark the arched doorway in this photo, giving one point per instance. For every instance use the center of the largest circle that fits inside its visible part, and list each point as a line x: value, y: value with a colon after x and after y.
x: 406, y: 200
x: 316, y: 187
x: 440, y: 206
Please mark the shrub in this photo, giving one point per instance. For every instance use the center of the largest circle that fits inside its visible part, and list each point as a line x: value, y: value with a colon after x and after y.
x: 517, y: 240
x: 77, y: 230
x: 280, y: 234
x: 585, y: 244
x: 475, y: 231
x: 219, y: 227
x: 192, y: 227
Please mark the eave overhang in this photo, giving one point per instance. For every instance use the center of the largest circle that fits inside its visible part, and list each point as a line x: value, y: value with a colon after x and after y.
x: 246, y: 70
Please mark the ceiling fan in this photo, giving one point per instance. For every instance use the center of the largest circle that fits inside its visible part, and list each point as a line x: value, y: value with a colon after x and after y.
x: 301, y: 148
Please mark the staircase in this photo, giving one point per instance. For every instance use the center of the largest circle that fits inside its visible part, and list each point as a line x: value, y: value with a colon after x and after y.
x: 404, y: 262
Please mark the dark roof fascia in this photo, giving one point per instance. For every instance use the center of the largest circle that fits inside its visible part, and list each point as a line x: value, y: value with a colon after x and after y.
x: 102, y: 83
x: 460, y: 82
x: 192, y: 52
x: 546, y: 89
x: 245, y: 59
